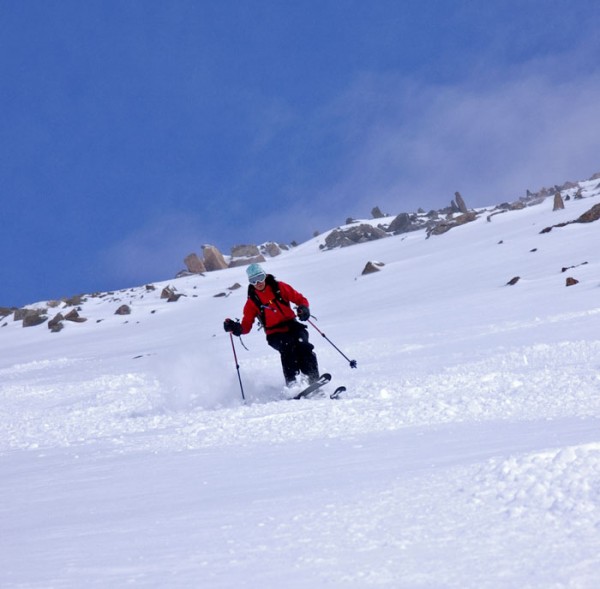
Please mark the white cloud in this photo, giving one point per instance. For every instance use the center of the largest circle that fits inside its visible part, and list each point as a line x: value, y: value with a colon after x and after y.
x: 414, y: 145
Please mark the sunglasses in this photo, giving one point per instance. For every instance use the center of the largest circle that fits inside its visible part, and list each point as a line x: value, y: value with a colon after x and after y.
x: 258, y: 278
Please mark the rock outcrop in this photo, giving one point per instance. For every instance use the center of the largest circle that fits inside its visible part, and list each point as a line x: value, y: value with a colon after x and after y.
x: 443, y: 226
x: 74, y: 316
x: 558, y: 202
x: 194, y: 264
x: 56, y: 323
x: 372, y: 267
x: 272, y: 249
x: 31, y: 317
x: 401, y: 224
x: 435, y: 222
x: 460, y: 203
x: 6, y: 311
x: 588, y: 217
x: 245, y: 251
x: 353, y: 235
x: 213, y: 258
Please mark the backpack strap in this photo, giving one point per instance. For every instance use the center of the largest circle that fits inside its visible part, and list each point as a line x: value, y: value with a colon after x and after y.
x: 270, y: 280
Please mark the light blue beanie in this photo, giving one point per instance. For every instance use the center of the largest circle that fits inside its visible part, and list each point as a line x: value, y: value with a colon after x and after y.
x: 254, y: 270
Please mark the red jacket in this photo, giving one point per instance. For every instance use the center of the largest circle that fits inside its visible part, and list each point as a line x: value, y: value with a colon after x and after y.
x: 276, y: 313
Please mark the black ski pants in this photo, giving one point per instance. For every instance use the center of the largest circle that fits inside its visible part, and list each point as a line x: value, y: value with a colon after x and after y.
x: 296, y: 352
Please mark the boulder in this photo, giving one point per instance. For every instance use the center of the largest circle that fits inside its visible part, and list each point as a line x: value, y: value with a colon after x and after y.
x: 401, y: 224
x: 34, y: 317
x: 558, y: 202
x: 167, y: 292
x: 73, y: 316
x: 56, y: 327
x: 443, y: 226
x: 460, y: 203
x: 213, y: 258
x: 271, y: 249
x: 19, y: 314
x: 353, y: 235
x: 170, y: 293
x: 589, y: 216
x: 194, y: 264
x: 56, y: 323
x: 74, y: 301
x: 516, y: 206
x: 336, y: 239
x: 372, y: 267
x: 244, y: 251
x: 123, y: 310
x: 6, y: 311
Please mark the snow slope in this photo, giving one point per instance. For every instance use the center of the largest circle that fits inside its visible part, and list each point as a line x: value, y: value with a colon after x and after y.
x: 466, y: 452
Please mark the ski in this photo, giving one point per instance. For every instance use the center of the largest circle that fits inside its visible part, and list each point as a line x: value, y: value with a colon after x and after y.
x: 313, y: 387
x: 336, y: 394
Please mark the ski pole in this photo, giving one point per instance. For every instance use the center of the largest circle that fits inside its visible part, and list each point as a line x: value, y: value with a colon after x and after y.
x: 237, y: 366
x: 351, y: 362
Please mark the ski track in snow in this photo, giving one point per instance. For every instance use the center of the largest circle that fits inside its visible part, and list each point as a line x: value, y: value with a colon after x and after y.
x: 537, y: 382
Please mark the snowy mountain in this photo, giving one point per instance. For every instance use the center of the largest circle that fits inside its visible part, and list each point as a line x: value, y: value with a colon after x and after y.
x: 465, y: 452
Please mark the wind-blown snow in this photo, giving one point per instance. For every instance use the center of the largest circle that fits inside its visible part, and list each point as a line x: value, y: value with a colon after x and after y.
x: 465, y: 453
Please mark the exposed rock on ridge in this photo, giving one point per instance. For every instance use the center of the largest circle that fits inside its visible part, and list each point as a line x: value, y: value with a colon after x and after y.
x: 241, y: 255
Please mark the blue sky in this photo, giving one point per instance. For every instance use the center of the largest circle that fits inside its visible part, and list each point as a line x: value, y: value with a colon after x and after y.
x: 132, y: 132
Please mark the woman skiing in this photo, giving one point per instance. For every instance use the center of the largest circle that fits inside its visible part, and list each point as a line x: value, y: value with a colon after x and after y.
x: 270, y: 301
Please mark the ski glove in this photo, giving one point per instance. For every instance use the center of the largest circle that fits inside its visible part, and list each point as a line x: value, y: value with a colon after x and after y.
x: 232, y: 326
x: 303, y: 313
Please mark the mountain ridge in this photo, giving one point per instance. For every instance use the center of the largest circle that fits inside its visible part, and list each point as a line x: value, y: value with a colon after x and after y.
x: 464, y: 454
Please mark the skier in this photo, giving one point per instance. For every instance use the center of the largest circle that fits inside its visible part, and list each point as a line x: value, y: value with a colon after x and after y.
x: 269, y: 301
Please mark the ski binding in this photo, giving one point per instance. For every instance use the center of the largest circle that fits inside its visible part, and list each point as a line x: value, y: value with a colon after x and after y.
x: 313, y: 387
